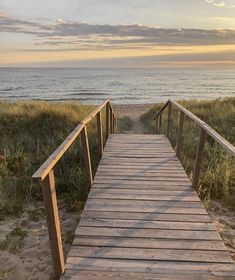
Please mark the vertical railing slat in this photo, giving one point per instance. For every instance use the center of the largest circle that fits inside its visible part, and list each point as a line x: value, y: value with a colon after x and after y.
x: 53, y: 224
x: 86, y: 156
x: 100, y: 133
x: 115, y: 123
x: 111, y: 120
x: 107, y: 121
x: 199, y: 156
x: 180, y: 134
x: 168, y: 120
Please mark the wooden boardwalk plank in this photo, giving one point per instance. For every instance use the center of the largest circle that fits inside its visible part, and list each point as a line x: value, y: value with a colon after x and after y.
x: 143, y: 220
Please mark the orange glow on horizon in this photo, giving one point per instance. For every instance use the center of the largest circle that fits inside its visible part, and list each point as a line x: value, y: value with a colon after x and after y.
x: 10, y: 57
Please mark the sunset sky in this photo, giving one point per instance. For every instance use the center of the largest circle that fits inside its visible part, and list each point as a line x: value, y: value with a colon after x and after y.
x: 117, y: 33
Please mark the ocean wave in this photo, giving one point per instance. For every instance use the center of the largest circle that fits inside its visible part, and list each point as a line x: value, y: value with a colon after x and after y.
x: 11, y: 88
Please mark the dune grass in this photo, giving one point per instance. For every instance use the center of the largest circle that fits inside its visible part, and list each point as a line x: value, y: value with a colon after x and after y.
x: 29, y: 133
x: 218, y: 170
x: 125, y: 124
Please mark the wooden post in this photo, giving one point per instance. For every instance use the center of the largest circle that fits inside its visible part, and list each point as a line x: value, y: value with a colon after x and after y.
x: 86, y: 156
x: 100, y: 133
x: 168, y: 120
x: 107, y: 121
x: 115, y: 123
x: 53, y: 224
x: 199, y: 155
x: 156, y: 124
x: 180, y: 132
x: 160, y: 123
x: 111, y: 120
x: 113, y: 117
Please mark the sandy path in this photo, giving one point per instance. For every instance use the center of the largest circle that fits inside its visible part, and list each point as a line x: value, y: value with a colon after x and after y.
x: 134, y: 112
x: 27, y: 252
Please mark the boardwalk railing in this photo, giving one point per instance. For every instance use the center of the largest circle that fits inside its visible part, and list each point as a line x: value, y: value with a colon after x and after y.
x: 204, y: 130
x: 45, y: 176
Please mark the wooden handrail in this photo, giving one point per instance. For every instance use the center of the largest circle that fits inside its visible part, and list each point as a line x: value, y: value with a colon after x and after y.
x: 209, y: 130
x: 48, y: 165
x: 204, y: 130
x: 162, y: 109
x: 45, y: 176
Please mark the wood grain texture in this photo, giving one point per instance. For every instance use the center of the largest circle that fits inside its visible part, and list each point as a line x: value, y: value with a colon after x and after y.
x: 143, y: 219
x: 86, y: 156
x: 53, y: 224
x: 100, y: 133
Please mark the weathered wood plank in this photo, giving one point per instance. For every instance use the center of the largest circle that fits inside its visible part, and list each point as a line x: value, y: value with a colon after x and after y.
x: 146, y: 209
x: 137, y: 184
x: 145, y: 224
x: 151, y: 243
x: 177, y: 268
x: 142, y: 203
x: 99, y: 178
x: 147, y: 217
x: 148, y: 233
x: 101, y: 275
x: 149, y: 197
x: 151, y: 254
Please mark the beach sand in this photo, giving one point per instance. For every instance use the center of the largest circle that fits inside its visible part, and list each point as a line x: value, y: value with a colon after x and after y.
x: 134, y: 112
x: 33, y: 260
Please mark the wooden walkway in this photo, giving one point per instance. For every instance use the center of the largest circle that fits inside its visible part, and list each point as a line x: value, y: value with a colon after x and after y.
x: 143, y: 220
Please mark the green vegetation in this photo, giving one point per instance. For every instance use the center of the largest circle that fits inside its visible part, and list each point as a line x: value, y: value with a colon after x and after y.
x: 4, y: 273
x: 29, y: 133
x: 14, y: 240
x: 218, y: 170
x: 124, y: 124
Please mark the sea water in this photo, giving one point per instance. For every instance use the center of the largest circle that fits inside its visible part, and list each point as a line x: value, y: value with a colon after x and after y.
x: 122, y: 86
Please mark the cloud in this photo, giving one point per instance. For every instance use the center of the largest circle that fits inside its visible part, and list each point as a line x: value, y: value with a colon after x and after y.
x: 16, y: 25
x: 223, y: 18
x: 81, y: 35
x: 216, y: 3
x: 220, y: 4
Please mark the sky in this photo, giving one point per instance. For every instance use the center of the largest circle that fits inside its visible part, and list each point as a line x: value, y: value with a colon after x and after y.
x: 117, y: 33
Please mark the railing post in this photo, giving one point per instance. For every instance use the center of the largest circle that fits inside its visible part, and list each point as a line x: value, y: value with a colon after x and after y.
x: 115, y: 123
x: 113, y: 117
x: 53, y: 224
x: 168, y: 120
x: 199, y: 155
x: 180, y: 132
x: 100, y: 133
x: 107, y: 121
x: 160, y: 123
x: 86, y: 156
x: 111, y: 120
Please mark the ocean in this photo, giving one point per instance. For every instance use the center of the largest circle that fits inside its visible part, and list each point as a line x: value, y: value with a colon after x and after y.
x: 122, y: 86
